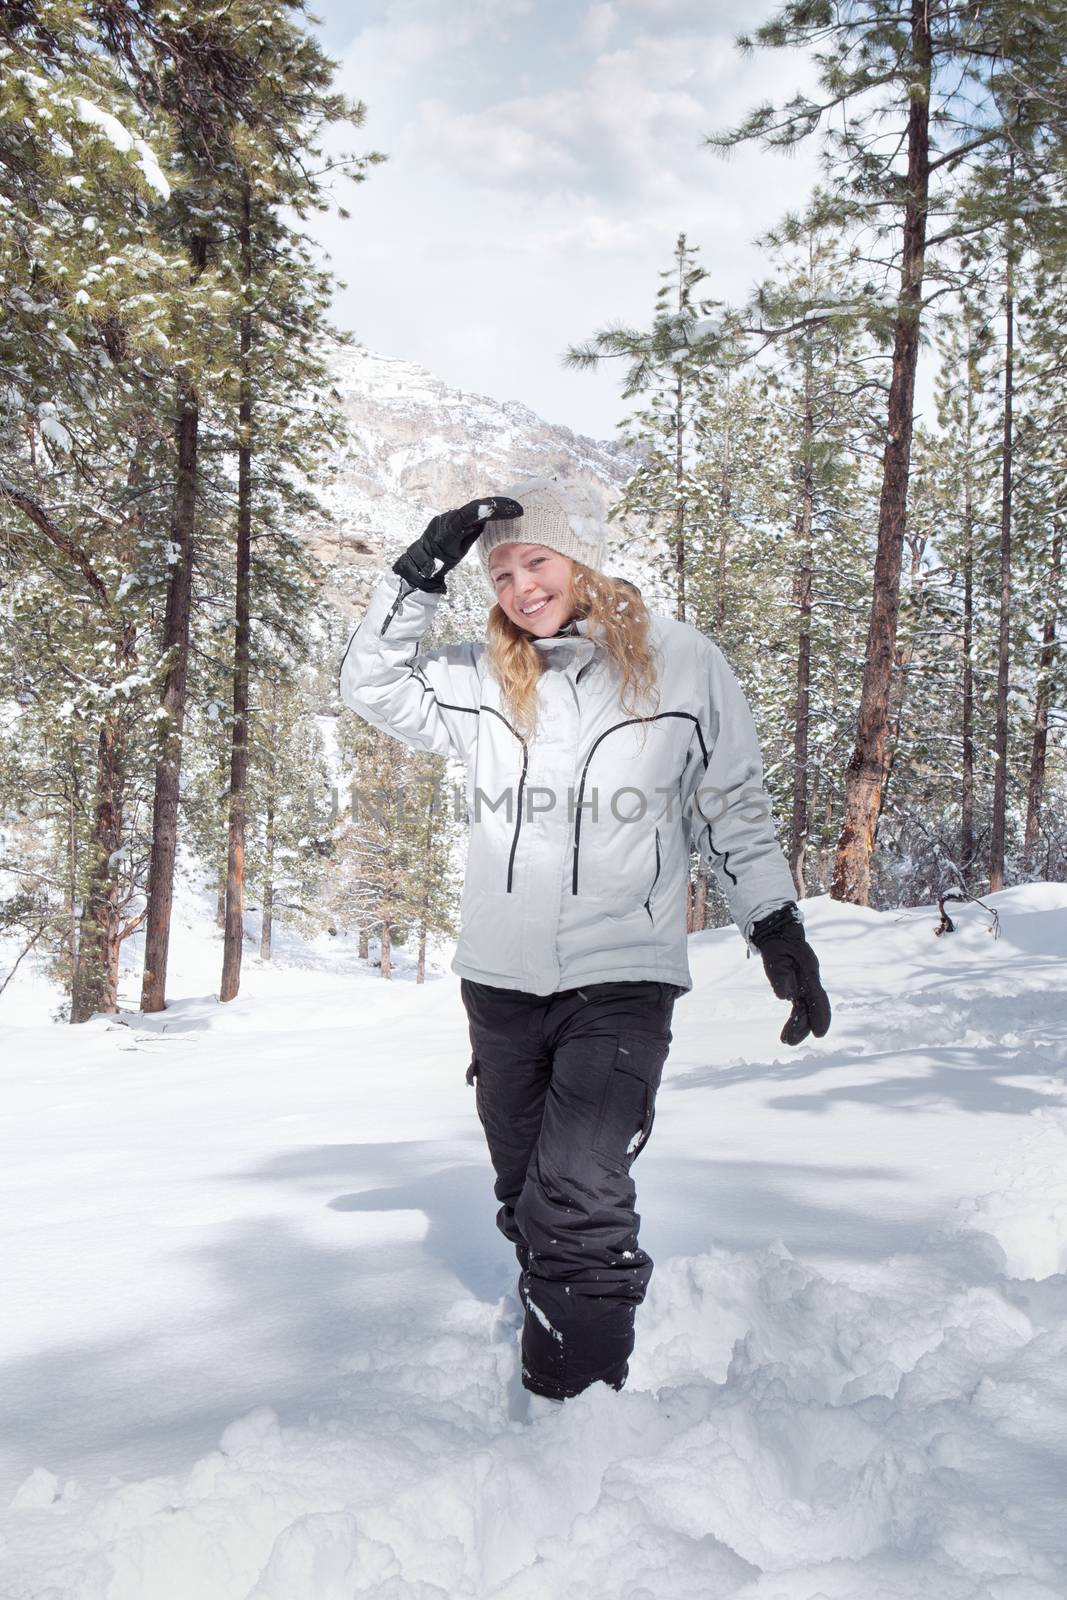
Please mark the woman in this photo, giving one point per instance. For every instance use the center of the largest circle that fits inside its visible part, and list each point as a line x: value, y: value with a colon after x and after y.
x: 599, y: 742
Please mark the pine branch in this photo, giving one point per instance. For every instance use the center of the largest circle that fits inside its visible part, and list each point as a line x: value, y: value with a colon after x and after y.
x: 23, y: 954
x: 32, y: 508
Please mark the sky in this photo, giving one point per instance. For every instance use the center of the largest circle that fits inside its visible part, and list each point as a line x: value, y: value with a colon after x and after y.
x: 543, y: 156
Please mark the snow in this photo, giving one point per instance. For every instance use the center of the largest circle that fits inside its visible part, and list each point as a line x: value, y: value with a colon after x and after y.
x: 260, y: 1334
x: 124, y: 141
x: 51, y: 427
x: 110, y: 127
x: 153, y: 173
x: 543, y: 1320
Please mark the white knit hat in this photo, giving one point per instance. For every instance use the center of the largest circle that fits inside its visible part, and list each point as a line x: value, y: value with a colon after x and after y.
x: 562, y: 514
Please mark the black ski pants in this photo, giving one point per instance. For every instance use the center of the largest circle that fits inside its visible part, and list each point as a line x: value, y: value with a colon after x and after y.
x: 566, y: 1090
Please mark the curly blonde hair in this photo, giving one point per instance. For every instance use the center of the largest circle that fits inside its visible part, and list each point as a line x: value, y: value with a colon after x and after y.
x: 619, y: 617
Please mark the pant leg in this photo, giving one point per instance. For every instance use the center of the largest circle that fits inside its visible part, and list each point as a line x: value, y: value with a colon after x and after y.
x: 586, y: 1274
x: 511, y: 1067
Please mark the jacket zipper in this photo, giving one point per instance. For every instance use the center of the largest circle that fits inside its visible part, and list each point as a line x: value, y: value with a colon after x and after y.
x: 655, y: 880
x: 402, y: 594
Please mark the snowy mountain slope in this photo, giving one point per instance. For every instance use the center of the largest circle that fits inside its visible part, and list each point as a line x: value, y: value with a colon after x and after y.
x: 418, y: 447
x: 254, y: 1347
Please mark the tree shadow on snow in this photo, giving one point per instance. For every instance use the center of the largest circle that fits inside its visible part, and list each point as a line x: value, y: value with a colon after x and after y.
x: 281, y: 1319
x: 689, y: 1206
x: 970, y: 1078
x: 456, y: 1199
x: 278, y: 1324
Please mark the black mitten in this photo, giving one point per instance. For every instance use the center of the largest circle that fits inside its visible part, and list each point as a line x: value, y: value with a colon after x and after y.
x: 793, y: 969
x: 446, y: 540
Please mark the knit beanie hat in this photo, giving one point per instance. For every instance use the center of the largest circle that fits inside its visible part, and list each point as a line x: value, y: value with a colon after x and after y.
x: 563, y: 515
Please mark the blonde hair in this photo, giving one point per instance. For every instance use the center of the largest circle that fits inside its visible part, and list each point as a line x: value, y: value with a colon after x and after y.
x: 619, y: 617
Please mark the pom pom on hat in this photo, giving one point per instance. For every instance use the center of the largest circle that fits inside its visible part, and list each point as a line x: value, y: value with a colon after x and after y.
x: 562, y: 515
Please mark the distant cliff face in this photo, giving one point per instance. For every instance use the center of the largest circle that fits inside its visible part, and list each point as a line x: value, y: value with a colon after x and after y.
x: 418, y: 447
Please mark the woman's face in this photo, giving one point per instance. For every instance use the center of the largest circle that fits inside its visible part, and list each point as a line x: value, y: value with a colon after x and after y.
x: 533, y: 586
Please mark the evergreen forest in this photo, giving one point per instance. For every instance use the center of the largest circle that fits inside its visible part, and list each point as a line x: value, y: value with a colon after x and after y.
x: 890, y: 593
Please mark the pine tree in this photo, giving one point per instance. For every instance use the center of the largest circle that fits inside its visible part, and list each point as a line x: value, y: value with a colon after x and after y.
x: 280, y: 327
x: 246, y: 91
x: 1042, y: 516
x: 826, y: 391
x: 669, y: 364
x: 907, y: 99
x: 289, y: 806
x: 945, y: 637
x: 81, y: 343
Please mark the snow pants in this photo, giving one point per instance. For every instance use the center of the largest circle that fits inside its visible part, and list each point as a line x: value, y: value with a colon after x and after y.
x: 566, y: 1091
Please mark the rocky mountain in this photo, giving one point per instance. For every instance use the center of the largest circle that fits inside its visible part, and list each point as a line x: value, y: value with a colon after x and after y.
x: 416, y: 447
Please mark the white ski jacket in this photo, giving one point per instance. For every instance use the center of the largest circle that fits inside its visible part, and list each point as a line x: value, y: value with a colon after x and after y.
x: 578, y: 860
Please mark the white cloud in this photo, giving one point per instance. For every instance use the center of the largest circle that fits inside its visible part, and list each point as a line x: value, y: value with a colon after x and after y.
x: 493, y: 147
x: 636, y: 119
x: 598, y: 26
x: 538, y: 178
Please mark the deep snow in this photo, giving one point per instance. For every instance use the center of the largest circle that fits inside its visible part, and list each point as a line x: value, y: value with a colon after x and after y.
x: 255, y: 1348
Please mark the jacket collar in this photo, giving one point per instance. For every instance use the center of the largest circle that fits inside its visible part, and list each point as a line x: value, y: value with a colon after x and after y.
x: 577, y: 629
x: 573, y: 646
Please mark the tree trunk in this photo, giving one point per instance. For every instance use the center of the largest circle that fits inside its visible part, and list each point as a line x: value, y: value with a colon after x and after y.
x: 679, y: 509
x: 679, y: 462
x: 1035, y: 788
x: 267, y: 923
x: 998, y: 830
x: 802, y: 596
x: 95, y: 983
x: 865, y: 773
x: 233, y: 939
x: 160, y: 891
x: 967, y: 841
x: 364, y: 945
x: 386, y: 961
x: 431, y: 832
x: 698, y: 901
x: 903, y: 656
x: 220, y: 879
x: 71, y: 887
x: 725, y: 502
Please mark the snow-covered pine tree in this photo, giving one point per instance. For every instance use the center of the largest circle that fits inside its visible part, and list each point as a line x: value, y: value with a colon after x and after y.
x: 826, y: 389
x: 669, y: 366
x: 393, y: 868
x: 81, y: 184
x: 243, y: 91
x: 289, y: 805
x: 937, y: 817
x: 279, y: 330
x: 738, y: 589
x: 908, y: 99
x: 1041, y: 512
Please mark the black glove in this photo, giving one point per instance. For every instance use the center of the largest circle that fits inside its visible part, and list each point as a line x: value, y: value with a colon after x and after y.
x: 793, y: 969
x: 447, y: 538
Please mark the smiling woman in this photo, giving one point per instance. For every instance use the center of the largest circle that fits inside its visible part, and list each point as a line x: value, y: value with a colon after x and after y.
x: 532, y: 585
x: 544, y: 589
x: 600, y: 742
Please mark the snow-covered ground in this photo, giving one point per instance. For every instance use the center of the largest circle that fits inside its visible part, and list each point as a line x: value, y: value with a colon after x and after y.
x: 252, y: 1346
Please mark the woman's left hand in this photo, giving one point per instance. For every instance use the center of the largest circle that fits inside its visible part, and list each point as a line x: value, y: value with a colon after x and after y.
x: 793, y: 969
